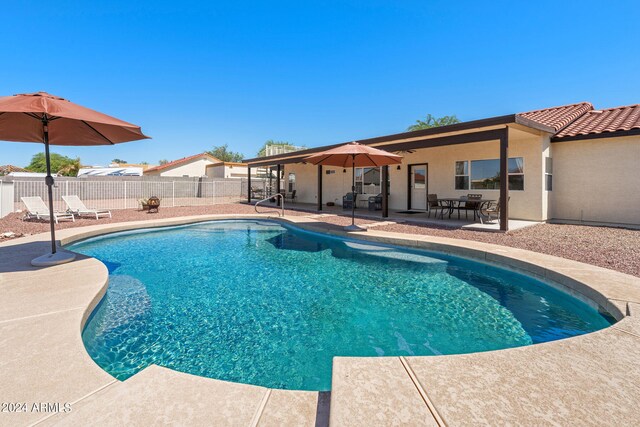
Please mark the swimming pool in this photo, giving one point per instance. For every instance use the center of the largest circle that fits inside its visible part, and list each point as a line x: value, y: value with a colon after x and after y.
x: 265, y: 303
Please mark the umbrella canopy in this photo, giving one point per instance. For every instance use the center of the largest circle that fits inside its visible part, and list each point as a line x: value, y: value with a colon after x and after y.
x: 21, y: 120
x: 40, y: 117
x: 354, y: 155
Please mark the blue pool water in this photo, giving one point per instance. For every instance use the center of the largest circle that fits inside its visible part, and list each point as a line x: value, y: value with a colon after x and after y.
x: 260, y: 303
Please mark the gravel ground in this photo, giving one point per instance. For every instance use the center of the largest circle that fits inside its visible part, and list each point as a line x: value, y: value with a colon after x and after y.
x: 13, y: 222
x: 608, y: 247
x: 614, y: 248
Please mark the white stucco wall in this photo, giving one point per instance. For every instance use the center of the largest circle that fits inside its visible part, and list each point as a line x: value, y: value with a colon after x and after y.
x: 194, y: 168
x: 528, y: 204
x: 597, y: 180
x: 228, y: 171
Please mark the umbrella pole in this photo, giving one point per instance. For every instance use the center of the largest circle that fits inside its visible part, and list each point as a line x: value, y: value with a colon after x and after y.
x: 353, y: 190
x: 54, y: 257
x: 49, y: 181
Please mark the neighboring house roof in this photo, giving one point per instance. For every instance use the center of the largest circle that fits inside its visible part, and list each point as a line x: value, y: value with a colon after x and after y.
x: 182, y: 161
x: 557, y: 118
x: 603, y: 122
x: 7, y: 169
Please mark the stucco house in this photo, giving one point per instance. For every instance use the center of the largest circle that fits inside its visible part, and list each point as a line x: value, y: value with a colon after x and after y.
x: 192, y: 166
x: 228, y: 170
x: 566, y: 163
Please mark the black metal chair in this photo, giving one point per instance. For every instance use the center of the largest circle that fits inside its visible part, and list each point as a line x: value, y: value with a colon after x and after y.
x: 471, y: 204
x: 349, y: 200
x: 434, y: 205
x: 375, y: 202
x: 291, y: 196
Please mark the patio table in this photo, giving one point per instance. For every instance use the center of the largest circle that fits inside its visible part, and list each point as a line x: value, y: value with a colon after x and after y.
x: 453, y: 203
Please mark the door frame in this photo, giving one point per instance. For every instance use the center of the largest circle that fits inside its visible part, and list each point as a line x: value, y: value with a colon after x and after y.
x: 426, y: 171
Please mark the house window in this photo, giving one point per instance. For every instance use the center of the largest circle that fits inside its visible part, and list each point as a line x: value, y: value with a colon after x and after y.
x: 368, y: 180
x: 291, y: 181
x: 485, y: 174
x: 548, y: 173
x: 462, y: 175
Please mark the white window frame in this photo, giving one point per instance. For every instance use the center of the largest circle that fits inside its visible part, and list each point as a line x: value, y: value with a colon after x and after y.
x: 468, y: 175
x: 548, y: 174
x: 456, y: 175
x: 362, y: 176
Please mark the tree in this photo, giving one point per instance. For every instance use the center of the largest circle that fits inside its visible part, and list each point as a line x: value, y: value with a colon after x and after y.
x: 263, y: 150
x: 71, y: 168
x: 60, y: 164
x: 223, y: 153
x: 163, y: 162
x: 433, y: 122
x: 118, y: 161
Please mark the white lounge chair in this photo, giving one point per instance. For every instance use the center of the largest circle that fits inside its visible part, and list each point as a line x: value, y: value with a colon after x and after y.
x: 37, y: 209
x: 77, y: 207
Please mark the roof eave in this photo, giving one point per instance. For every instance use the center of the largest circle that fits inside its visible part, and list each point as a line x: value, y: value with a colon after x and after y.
x: 473, y: 124
x: 533, y: 124
x: 616, y: 134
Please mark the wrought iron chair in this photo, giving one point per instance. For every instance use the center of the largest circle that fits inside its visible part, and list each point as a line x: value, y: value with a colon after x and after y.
x: 472, y: 203
x: 375, y: 202
x: 349, y: 200
x: 434, y: 205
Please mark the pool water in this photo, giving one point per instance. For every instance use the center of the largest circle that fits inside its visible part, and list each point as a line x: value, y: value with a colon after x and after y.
x: 261, y: 303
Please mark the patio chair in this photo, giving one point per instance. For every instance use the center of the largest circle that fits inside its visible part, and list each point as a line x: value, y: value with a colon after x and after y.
x: 37, y: 209
x: 489, y: 209
x: 375, y: 202
x: 434, y: 205
x: 256, y: 193
x: 291, y: 196
x: 349, y: 200
x: 471, y: 204
x: 77, y: 207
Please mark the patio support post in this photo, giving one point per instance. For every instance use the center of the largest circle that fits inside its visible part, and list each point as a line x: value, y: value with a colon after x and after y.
x: 385, y: 191
x: 249, y: 184
x: 504, y: 180
x: 278, y: 169
x: 319, y: 207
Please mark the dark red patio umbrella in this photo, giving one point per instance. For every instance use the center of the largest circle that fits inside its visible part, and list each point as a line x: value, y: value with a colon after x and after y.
x: 51, y: 120
x: 354, y: 154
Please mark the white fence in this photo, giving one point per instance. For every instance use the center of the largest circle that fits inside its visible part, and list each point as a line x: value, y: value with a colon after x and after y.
x: 116, y: 194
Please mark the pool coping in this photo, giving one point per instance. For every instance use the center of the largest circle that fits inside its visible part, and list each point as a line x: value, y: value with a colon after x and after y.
x: 387, y: 389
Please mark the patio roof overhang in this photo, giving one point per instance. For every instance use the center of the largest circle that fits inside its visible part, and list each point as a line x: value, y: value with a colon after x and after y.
x: 413, y: 140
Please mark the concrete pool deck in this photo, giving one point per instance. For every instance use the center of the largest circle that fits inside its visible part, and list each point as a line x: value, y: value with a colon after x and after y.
x: 592, y: 379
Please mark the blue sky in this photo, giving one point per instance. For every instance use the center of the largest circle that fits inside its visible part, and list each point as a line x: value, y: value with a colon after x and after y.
x: 199, y: 74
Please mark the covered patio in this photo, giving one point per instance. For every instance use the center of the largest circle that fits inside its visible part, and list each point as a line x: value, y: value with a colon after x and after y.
x: 399, y: 217
x: 408, y: 142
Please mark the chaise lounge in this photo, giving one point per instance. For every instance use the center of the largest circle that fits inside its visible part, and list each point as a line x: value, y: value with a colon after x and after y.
x: 77, y: 207
x: 37, y: 209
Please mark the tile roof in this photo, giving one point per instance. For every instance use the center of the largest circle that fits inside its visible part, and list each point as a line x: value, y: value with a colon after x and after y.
x: 624, y: 118
x: 7, y: 169
x: 183, y: 160
x: 557, y: 118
